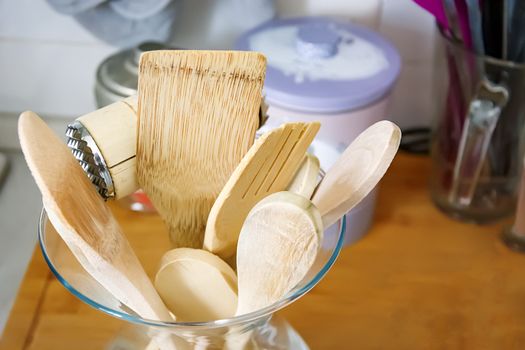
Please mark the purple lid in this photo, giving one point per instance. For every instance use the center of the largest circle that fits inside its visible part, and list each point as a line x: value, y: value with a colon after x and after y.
x: 317, y: 64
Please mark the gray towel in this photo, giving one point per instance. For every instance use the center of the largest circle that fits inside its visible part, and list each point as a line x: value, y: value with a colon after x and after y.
x: 123, y: 23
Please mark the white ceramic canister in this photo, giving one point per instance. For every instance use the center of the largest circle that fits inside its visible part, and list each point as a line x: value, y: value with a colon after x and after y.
x: 338, y: 73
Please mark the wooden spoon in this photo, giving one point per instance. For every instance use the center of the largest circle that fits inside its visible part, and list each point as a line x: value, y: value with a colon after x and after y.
x: 277, y: 246
x: 197, y: 116
x: 357, y: 171
x: 268, y: 167
x: 84, y: 222
x: 197, y: 285
x: 305, y: 179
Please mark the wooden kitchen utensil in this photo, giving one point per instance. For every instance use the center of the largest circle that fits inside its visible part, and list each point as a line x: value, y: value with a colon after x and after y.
x: 104, y: 143
x: 268, y: 167
x: 357, y: 171
x: 197, y: 285
x: 277, y: 245
x: 305, y: 180
x: 84, y: 222
x: 198, y: 113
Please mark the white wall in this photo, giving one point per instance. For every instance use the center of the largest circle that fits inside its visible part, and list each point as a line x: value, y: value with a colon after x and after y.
x: 48, y: 61
x: 412, y: 31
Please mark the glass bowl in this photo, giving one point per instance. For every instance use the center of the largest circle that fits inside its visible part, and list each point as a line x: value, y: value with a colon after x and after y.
x: 256, y: 330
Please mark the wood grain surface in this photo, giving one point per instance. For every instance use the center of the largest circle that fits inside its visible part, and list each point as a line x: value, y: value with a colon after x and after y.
x: 357, y: 171
x: 192, y: 130
x: 417, y: 280
x: 278, y: 244
x: 267, y: 167
x: 84, y: 221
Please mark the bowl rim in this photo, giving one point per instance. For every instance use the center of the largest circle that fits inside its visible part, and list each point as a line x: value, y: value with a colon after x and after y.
x: 290, y: 297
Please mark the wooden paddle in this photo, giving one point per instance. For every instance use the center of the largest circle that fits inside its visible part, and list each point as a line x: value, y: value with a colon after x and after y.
x: 197, y: 116
x: 85, y: 223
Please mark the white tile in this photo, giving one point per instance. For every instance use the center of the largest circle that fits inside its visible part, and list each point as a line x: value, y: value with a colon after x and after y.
x: 366, y: 13
x: 36, y: 19
x: 49, y: 78
x: 410, y: 28
x: 412, y: 102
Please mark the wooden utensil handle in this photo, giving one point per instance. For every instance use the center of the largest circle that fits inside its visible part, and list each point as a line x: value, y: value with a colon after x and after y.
x: 114, y: 130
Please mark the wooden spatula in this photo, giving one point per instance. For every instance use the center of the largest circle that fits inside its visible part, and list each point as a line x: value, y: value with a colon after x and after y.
x: 268, y: 167
x: 357, y: 171
x: 84, y: 222
x: 277, y: 245
x: 197, y: 117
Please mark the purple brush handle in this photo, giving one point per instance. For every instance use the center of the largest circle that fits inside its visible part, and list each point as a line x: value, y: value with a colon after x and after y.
x: 464, y: 26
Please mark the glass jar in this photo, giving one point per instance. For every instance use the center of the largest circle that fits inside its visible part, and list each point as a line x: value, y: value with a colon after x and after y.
x: 477, y: 143
x: 256, y: 330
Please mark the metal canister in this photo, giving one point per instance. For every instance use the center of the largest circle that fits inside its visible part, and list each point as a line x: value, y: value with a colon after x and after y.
x: 117, y: 75
x: 116, y: 80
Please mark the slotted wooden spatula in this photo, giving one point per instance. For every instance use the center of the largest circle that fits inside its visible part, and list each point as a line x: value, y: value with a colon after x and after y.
x: 357, y: 171
x: 197, y: 116
x: 84, y: 221
x: 268, y: 167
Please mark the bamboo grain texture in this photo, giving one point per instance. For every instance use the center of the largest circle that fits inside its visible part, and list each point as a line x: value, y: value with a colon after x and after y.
x: 198, y: 113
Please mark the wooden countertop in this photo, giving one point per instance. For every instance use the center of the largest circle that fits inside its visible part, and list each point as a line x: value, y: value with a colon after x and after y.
x: 417, y: 280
